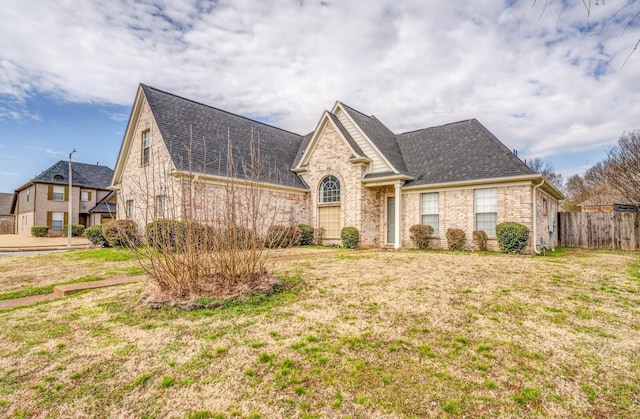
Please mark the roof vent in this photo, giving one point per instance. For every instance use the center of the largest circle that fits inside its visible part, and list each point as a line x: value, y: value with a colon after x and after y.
x: 58, y: 177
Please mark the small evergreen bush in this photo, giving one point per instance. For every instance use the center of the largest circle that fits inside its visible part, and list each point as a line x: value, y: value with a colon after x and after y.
x: 39, y: 231
x: 282, y: 236
x: 350, y: 237
x: 456, y: 239
x: 76, y: 230
x: 420, y: 235
x: 480, y: 239
x: 164, y: 234
x: 512, y: 236
x: 95, y: 236
x: 306, y: 234
x: 121, y: 233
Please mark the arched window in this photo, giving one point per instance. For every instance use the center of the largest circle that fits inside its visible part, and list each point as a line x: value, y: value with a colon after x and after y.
x: 329, y: 190
x: 329, y: 206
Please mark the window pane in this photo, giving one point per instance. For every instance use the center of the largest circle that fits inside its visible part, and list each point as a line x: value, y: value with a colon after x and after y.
x: 487, y: 222
x: 329, y: 219
x: 329, y: 190
x: 434, y: 221
x: 430, y: 203
x: 58, y: 193
x: 486, y: 200
x: 57, y: 220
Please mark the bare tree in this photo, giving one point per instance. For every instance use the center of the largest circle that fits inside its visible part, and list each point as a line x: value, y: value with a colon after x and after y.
x: 628, y: 14
x: 622, y: 167
x: 546, y: 168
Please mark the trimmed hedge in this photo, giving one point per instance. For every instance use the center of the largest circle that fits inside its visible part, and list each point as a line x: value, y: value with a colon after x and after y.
x: 480, y: 238
x: 306, y: 234
x: 39, y: 231
x: 121, y: 233
x: 76, y: 230
x: 350, y: 237
x: 163, y: 234
x: 512, y: 236
x: 420, y: 235
x: 95, y: 236
x: 456, y: 239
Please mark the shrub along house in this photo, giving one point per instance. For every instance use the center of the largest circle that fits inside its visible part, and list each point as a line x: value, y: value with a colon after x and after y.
x: 44, y: 200
x: 350, y: 171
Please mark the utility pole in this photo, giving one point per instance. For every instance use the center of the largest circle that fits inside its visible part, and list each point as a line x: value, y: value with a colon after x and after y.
x: 70, y: 213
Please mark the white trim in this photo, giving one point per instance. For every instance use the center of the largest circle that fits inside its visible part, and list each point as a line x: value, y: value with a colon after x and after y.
x: 315, y: 138
x: 385, y: 180
x: 223, y: 180
x: 340, y: 106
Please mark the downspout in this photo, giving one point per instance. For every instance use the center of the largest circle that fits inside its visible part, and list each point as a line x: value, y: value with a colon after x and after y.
x: 535, y: 217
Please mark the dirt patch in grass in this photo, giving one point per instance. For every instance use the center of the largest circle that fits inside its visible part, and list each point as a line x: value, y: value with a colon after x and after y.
x: 355, y: 335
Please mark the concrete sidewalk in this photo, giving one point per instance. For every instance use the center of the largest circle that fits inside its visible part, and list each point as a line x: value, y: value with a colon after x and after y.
x: 18, y: 243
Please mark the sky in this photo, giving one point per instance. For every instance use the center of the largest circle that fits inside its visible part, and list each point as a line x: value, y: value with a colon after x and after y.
x: 551, y: 82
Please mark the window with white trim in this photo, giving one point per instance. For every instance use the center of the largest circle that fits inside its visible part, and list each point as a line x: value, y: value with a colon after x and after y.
x: 146, y: 146
x: 130, y: 209
x: 85, y: 196
x: 329, y: 206
x: 161, y: 206
x: 57, y: 221
x: 429, y: 211
x: 486, y: 208
x: 58, y: 193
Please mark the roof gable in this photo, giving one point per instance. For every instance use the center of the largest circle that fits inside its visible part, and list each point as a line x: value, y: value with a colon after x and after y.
x: 379, y: 137
x: 6, y: 203
x: 459, y: 151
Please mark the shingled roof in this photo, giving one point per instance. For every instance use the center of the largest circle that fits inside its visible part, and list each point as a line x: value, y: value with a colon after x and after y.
x: 456, y: 152
x: 204, y: 148
x: 87, y: 175
x: 6, y: 203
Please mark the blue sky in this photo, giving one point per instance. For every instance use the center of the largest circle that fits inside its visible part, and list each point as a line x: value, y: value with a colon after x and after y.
x: 546, y: 81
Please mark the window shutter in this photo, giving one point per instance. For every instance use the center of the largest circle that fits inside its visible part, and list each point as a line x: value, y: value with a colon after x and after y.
x: 66, y: 193
x: 66, y: 219
x: 89, y: 195
x: 50, y: 192
x: 49, y: 216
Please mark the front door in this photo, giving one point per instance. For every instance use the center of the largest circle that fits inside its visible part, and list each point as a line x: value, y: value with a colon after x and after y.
x: 391, y: 219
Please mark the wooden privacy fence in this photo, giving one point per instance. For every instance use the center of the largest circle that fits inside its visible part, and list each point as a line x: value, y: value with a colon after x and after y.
x: 599, y: 230
x: 6, y: 224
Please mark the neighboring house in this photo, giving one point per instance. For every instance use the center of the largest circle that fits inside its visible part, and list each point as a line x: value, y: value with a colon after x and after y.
x: 7, y: 218
x: 44, y: 200
x: 350, y: 171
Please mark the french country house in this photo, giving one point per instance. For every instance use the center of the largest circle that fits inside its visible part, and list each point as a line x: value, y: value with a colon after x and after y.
x: 44, y: 200
x: 351, y: 170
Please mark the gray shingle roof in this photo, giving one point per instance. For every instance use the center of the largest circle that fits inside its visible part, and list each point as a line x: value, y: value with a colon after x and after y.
x: 103, y: 206
x: 89, y: 175
x: 381, y: 136
x: 459, y: 151
x: 206, y: 148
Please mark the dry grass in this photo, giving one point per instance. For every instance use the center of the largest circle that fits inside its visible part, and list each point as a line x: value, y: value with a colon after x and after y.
x: 359, y: 335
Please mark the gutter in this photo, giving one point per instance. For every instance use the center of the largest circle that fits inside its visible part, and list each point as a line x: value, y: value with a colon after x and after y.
x: 535, y: 217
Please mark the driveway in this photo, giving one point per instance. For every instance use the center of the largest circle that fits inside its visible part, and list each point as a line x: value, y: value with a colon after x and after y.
x: 15, y: 242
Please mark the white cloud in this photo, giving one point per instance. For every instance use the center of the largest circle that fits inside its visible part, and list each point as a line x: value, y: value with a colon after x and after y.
x: 546, y: 83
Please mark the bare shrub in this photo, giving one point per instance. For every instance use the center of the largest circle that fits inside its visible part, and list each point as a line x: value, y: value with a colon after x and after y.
x: 205, y: 239
x: 456, y: 239
x: 420, y: 235
x: 320, y: 235
x: 283, y: 236
x: 123, y: 233
x: 480, y: 239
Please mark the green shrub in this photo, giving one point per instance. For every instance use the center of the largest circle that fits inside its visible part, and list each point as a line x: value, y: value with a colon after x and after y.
x: 121, y: 233
x: 306, y: 234
x: 164, y: 234
x: 420, y: 235
x: 456, y: 239
x: 39, y: 231
x: 95, y: 236
x: 512, y: 236
x: 350, y: 237
x: 480, y: 239
x: 77, y: 230
x: 282, y: 236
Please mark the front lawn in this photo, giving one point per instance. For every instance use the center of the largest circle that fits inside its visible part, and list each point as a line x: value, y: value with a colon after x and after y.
x: 356, y: 334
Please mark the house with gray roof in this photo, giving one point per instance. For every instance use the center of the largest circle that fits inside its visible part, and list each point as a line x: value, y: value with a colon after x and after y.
x: 351, y: 170
x: 44, y: 200
x: 7, y: 219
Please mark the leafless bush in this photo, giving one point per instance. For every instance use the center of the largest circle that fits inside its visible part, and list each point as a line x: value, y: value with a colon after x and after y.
x: 205, y: 236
